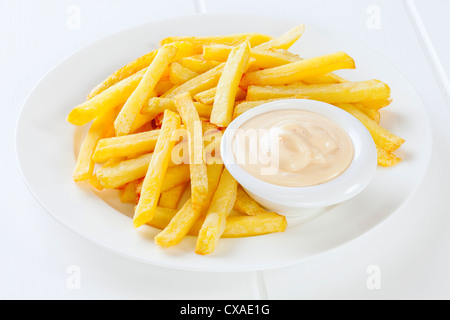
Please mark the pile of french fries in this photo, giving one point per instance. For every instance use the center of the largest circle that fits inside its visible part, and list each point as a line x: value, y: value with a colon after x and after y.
x: 178, y: 99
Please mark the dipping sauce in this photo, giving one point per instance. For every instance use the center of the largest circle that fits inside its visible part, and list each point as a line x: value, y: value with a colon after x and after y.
x: 292, y: 148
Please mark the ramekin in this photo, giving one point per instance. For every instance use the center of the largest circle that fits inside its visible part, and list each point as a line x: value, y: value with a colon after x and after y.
x: 298, y: 201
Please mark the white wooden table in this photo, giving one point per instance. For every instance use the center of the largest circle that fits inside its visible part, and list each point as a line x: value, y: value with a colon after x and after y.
x: 410, y: 250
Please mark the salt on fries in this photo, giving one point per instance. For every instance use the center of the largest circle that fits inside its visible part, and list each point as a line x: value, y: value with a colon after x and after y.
x: 157, y: 124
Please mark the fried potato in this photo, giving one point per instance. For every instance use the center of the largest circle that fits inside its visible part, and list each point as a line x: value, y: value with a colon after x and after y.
x: 199, y: 178
x: 157, y: 106
x: 386, y: 159
x: 382, y: 137
x: 348, y: 92
x: 125, y: 146
x: 186, y: 217
x: 297, y: 71
x: 127, y: 194
x: 93, y: 181
x: 175, y: 176
x: 221, y: 205
x: 107, y: 100
x: 246, y: 204
x: 222, y: 111
x: 153, y: 181
x: 198, y: 64
x: 208, y: 96
x: 284, y: 41
x: 144, y: 90
x: 84, y: 166
x: 180, y: 74
x: 198, y: 84
x: 244, y: 106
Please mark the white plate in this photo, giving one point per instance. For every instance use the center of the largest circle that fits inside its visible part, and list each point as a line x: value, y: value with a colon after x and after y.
x: 46, y: 152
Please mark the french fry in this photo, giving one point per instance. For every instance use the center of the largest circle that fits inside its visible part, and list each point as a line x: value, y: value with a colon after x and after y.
x: 199, y: 178
x: 297, y: 71
x: 144, y: 90
x: 175, y: 176
x: 244, y: 106
x: 85, y: 165
x: 107, y: 100
x: 382, y: 137
x: 348, y: 92
x: 127, y: 194
x: 198, y: 84
x: 157, y: 106
x: 208, y: 96
x: 163, y: 86
x: 171, y: 198
x: 140, y: 121
x: 180, y: 74
x: 222, y: 111
x: 123, y: 73
x: 386, y: 159
x: 285, y: 41
x: 232, y: 40
x: 125, y: 146
x: 93, y: 181
x: 119, y: 174
x: 151, y: 187
x: 198, y: 64
x: 246, y: 204
x: 371, y: 113
x: 178, y: 226
x: 215, y: 221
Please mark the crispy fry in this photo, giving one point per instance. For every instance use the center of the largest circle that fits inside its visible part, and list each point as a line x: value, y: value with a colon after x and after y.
x: 180, y: 74
x: 386, y: 159
x: 186, y: 217
x: 93, y: 181
x: 126, y: 146
x: 85, y: 165
x: 109, y: 99
x: 246, y: 204
x: 199, y: 178
x: 153, y: 181
x: 144, y: 90
x: 127, y: 194
x: 208, y: 96
x: 348, y: 92
x: 382, y: 137
x: 163, y: 86
x: 297, y: 71
x: 175, y: 176
x: 215, y: 221
x: 222, y: 112
x: 244, y: 106
x: 198, y: 84
x: 198, y: 64
x: 171, y: 198
x: 285, y: 41
x: 157, y: 106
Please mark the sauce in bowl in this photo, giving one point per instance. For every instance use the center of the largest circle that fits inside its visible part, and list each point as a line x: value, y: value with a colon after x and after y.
x: 292, y: 148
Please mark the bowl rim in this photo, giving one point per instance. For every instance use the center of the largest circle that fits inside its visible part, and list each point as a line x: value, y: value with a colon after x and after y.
x: 348, y: 184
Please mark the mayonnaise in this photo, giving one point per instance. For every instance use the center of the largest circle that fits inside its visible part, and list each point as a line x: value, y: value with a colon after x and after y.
x: 292, y: 148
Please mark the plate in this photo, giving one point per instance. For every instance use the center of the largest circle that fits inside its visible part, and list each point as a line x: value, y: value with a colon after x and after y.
x: 46, y: 152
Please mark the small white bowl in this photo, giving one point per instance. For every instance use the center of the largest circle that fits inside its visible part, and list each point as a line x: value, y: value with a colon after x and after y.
x: 298, y: 202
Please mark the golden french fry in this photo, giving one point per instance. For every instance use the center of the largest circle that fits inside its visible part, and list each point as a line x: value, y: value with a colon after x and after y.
x: 199, y: 178
x: 382, y: 137
x: 127, y: 194
x: 246, y: 204
x: 123, y: 73
x: 85, y: 165
x: 171, y: 198
x: 198, y: 64
x: 348, y: 92
x: 285, y: 41
x: 215, y: 221
x: 125, y: 146
x: 249, y: 226
x: 185, y: 218
x: 222, y: 111
x: 157, y: 106
x: 163, y: 86
x: 208, y: 96
x: 151, y: 187
x: 180, y: 74
x: 93, y: 181
x: 244, y: 106
x: 144, y: 90
x: 232, y: 40
x: 175, y: 176
x: 371, y: 113
x: 140, y: 121
x: 386, y: 159
x: 198, y: 84
x: 107, y: 100
x: 297, y: 71
x: 120, y: 173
